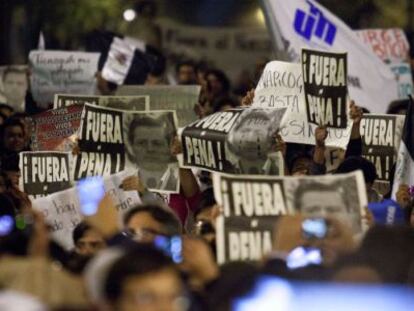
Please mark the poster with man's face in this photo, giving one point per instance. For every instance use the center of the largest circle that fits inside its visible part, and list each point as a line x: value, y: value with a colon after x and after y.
x: 148, y: 137
x: 13, y: 86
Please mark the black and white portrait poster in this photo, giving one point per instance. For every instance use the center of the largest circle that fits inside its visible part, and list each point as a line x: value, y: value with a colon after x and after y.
x: 381, y: 135
x: 281, y: 86
x: 148, y: 137
x: 325, y: 86
x: 181, y: 98
x: 101, y: 143
x: 252, y: 204
x: 135, y: 103
x: 13, y: 86
x: 238, y: 141
x: 45, y: 172
x: 61, y: 72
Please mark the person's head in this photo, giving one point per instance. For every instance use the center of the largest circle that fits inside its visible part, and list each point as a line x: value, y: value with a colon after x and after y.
x: 10, y: 170
x: 398, y: 106
x: 224, y: 103
x: 186, y: 73
x: 217, y: 83
x: 205, y: 216
x: 300, y: 164
x: 251, y: 137
x: 87, y: 240
x: 144, y: 279
x: 150, y: 140
x: 13, y: 135
x: 15, y: 85
x: 144, y: 222
x: 105, y: 87
x: 352, y: 164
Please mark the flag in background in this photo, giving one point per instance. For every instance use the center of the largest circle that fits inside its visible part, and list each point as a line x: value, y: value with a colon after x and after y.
x: 297, y: 24
x: 404, y: 169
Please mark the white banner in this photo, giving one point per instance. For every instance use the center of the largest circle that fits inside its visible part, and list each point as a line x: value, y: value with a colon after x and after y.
x: 61, y: 72
x: 281, y: 86
x: 62, y: 209
x: 297, y: 24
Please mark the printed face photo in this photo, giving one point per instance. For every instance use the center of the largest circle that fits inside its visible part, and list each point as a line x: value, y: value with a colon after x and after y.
x: 323, y: 204
x: 15, y: 87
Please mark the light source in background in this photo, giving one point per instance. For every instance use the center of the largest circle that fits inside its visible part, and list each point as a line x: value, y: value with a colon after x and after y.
x: 129, y: 15
x: 260, y: 16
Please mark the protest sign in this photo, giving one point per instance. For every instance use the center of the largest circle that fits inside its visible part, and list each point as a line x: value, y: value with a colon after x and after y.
x: 44, y: 173
x: 55, y: 129
x: 390, y: 45
x: 235, y: 141
x: 13, y: 86
x: 111, y: 140
x: 101, y: 143
x: 297, y: 24
x: 62, y: 209
x: 251, y: 205
x: 281, y: 86
x: 324, y: 80
x: 228, y: 48
x: 381, y: 135
x: 61, y: 72
x: 137, y: 103
x: 404, y: 79
x: 181, y: 98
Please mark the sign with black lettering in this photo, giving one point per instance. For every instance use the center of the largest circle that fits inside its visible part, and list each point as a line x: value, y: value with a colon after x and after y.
x: 62, y: 209
x: 135, y: 103
x: 44, y: 173
x: 252, y: 204
x: 61, y: 71
x: 239, y: 141
x: 380, y: 138
x: 101, y: 143
x: 281, y: 86
x: 55, y: 129
x: 325, y: 86
x: 181, y: 98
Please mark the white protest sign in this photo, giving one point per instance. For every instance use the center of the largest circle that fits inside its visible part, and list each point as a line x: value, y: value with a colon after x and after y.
x: 62, y: 209
x: 281, y: 86
x: 61, y: 72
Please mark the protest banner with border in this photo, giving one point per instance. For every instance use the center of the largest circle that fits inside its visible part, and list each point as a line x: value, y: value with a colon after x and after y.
x: 239, y: 141
x: 62, y: 209
x: 135, y: 103
x: 251, y: 205
x: 325, y: 85
x: 61, y: 72
x: 55, y: 129
x: 281, y: 86
x: 181, y: 98
x: 45, y: 172
x: 112, y: 140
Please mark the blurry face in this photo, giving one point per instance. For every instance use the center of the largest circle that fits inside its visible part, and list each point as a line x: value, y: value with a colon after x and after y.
x: 150, y: 147
x: 323, y: 204
x: 215, y: 86
x: 301, y: 167
x: 186, y: 75
x: 251, y: 140
x: 156, y: 291
x: 14, y: 138
x: 91, y: 243
x: 14, y: 177
x: 15, y: 87
x: 144, y: 227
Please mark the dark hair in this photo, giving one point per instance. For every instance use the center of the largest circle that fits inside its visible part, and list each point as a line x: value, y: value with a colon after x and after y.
x: 5, y: 106
x: 358, y: 163
x: 142, y: 259
x: 80, y: 231
x: 219, y: 103
x: 12, y: 69
x: 207, y: 200
x: 395, y: 106
x: 353, y: 260
x: 10, y: 122
x: 10, y: 163
x: 185, y: 63
x: 170, y: 222
x: 221, y: 76
x: 150, y: 122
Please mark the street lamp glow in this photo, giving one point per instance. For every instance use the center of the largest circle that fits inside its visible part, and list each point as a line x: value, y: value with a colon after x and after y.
x: 129, y: 15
